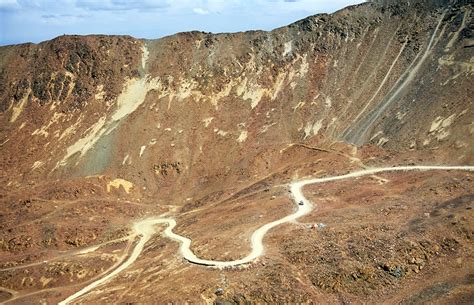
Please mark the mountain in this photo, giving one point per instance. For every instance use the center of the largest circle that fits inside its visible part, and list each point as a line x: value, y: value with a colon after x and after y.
x: 97, y: 132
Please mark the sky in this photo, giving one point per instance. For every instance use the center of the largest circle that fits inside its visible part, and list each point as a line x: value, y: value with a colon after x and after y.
x: 38, y: 20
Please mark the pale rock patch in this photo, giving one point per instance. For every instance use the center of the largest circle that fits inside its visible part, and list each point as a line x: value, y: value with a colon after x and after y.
x: 117, y: 183
x: 221, y: 94
x: 37, y: 164
x: 400, y: 115
x: 378, y: 133
x: 207, y: 121
x: 243, y: 136
x: 222, y: 133
x: 471, y: 128
x: 145, y: 56
x: 266, y: 127
x: 100, y: 93
x: 299, y: 105
x: 312, y: 129
x: 83, y: 145
x: 304, y: 67
x: 125, y: 159
x: 327, y: 102
x: 333, y: 120
x: 132, y: 96
x: 44, y: 130
x: 460, y: 66
x: 382, y: 141
x: 45, y: 280
x: 288, y: 47
x: 71, y: 130
x: 317, y: 126
x: 18, y: 109
x: 439, y: 127
x: 460, y: 144
x: 255, y: 94
x: 142, y: 150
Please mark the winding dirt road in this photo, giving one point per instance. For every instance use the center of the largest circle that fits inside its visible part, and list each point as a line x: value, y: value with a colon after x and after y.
x: 145, y: 228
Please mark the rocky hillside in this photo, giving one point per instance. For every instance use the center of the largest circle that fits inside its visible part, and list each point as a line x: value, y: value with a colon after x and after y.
x: 190, y: 118
x: 395, y: 76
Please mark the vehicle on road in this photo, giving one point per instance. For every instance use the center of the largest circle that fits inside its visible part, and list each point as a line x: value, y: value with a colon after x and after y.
x: 301, y: 202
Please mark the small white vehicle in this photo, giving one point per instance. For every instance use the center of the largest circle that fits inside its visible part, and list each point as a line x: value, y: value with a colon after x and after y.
x: 301, y: 202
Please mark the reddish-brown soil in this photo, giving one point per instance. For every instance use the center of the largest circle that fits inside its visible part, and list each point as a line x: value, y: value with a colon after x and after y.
x: 98, y: 132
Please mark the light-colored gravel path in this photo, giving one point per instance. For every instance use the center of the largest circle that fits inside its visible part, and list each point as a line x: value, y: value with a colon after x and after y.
x: 146, y: 228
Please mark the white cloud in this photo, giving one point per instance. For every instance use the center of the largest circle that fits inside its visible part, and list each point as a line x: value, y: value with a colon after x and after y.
x: 9, y: 4
x: 200, y: 11
x: 122, y: 5
x: 63, y: 19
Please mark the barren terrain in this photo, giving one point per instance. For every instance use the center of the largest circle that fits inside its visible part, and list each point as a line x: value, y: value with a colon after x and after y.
x: 327, y: 161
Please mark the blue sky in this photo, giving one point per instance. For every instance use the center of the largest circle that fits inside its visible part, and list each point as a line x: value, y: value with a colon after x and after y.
x: 39, y: 20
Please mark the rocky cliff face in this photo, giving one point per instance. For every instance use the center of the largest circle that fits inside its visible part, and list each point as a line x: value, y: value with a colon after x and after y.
x: 396, y: 76
x: 186, y: 119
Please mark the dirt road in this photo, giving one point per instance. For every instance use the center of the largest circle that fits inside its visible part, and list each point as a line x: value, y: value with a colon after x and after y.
x: 145, y: 228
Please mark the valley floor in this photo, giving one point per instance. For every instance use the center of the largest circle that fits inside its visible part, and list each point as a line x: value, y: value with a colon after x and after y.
x: 348, y: 236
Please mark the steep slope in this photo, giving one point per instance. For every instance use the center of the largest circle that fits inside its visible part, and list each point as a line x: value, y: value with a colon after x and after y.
x: 362, y: 75
x: 98, y: 130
